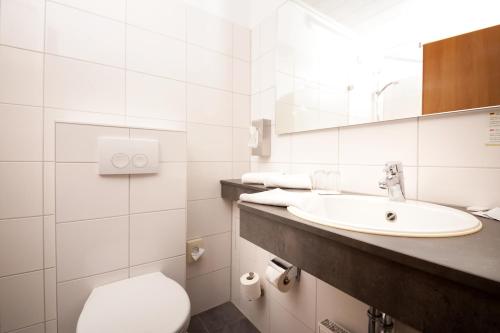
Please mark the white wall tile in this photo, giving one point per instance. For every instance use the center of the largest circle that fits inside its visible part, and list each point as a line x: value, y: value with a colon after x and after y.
x: 379, y: 143
x: 209, y: 143
x: 155, y: 97
x: 209, y: 31
x: 114, y: 9
x: 51, y: 326
x: 155, y: 54
x: 77, y: 85
x: 20, y: 76
x: 38, y: 328
x: 49, y: 241
x: 157, y: 124
x: 167, y: 17
x: 209, y: 68
x: 21, y: 300
x: 267, y: 68
x: 22, y: 125
x: 315, y: 147
x: 209, y: 290
x: 172, y: 144
x: 255, y: 42
x: 79, y: 143
x: 281, y: 321
x: 203, y: 179
x: 208, y: 217
x: 21, y: 245
x: 241, y: 110
x: 71, y: 297
x: 239, y: 168
x: 442, y: 141
x: 49, y: 188
x: 268, y: 33
x: 78, y: 34
x: 156, y: 236
x: 268, y: 104
x: 217, y: 255
x: 460, y: 186
x: 364, y: 179
x: 160, y: 191
x: 52, y: 116
x: 174, y: 268
x: 91, y: 247
x: 335, y: 305
x: 241, y: 42
x: 83, y: 194
x: 241, y: 151
x: 21, y: 191
x: 22, y: 23
x: 50, y: 282
x: 209, y: 106
x: 300, y: 301
x: 241, y: 77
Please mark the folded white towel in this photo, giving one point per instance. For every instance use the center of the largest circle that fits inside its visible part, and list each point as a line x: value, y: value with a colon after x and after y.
x: 491, y: 214
x: 257, y: 177
x: 298, y: 181
x: 277, y: 197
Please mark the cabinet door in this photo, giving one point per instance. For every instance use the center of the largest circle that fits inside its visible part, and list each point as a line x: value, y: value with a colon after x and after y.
x: 462, y: 72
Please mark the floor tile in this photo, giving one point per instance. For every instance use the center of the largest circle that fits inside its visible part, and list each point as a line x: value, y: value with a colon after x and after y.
x: 196, y: 326
x: 220, y: 316
x: 240, y: 326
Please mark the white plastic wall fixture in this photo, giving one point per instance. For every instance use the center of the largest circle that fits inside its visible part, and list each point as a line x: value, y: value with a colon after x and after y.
x: 128, y: 156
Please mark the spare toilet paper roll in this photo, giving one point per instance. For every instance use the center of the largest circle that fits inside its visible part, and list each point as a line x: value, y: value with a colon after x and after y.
x: 277, y: 277
x: 250, y: 286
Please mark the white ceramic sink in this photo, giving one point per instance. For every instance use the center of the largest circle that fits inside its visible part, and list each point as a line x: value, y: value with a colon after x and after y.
x: 369, y: 214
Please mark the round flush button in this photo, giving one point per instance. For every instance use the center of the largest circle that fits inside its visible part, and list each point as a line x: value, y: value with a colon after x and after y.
x: 120, y: 160
x: 140, y: 160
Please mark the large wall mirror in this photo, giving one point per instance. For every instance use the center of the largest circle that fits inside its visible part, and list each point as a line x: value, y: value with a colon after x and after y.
x: 346, y: 62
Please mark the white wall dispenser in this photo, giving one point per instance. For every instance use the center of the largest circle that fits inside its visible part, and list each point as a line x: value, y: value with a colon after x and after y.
x: 119, y: 155
x: 282, y: 275
x: 260, y: 137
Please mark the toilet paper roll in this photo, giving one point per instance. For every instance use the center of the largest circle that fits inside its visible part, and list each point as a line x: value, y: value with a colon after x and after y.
x: 250, y: 286
x: 277, y: 277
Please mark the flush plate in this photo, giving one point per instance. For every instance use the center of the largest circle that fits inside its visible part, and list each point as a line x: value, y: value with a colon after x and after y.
x: 119, y: 155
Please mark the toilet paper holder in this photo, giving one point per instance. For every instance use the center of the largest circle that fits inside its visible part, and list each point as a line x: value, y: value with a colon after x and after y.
x: 291, y: 271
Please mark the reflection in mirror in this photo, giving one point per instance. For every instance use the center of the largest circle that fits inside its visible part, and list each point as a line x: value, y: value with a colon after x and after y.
x: 351, y: 62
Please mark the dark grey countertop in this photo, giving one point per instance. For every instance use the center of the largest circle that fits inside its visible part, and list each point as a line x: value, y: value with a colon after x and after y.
x: 473, y: 260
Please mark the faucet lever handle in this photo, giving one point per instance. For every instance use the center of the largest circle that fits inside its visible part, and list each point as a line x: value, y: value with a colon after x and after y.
x: 393, y: 168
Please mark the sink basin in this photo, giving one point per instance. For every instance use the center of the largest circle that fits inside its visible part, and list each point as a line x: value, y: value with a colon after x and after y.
x: 378, y: 215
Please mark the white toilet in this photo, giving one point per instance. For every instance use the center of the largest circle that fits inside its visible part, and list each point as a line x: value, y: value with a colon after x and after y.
x: 149, y: 303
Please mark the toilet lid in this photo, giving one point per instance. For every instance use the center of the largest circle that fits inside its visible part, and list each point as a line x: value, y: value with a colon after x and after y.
x: 149, y: 303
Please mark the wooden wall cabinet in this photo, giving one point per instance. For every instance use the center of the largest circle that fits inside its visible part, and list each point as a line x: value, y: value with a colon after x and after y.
x: 462, y: 72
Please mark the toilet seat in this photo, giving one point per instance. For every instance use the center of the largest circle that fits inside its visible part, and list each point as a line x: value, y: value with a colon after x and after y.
x: 149, y: 303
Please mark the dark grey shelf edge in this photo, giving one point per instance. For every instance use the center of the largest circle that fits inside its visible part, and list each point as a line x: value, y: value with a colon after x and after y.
x: 426, y: 295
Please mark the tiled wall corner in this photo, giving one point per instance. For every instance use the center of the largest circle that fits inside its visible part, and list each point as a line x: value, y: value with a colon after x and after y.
x: 148, y: 64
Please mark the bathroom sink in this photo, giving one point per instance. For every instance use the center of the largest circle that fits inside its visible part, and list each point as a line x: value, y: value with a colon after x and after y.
x: 378, y: 215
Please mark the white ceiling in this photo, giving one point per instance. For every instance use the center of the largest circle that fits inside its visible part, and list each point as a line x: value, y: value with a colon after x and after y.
x: 244, y: 12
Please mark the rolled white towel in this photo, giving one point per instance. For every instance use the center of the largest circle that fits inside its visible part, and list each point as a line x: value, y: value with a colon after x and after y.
x: 298, y: 181
x: 257, y: 177
x: 277, y: 197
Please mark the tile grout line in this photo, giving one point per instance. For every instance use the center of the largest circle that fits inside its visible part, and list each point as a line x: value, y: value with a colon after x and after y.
x: 44, y: 185
x: 418, y: 160
x: 125, y: 106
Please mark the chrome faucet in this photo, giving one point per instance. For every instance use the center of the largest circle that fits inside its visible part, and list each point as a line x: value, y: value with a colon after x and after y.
x: 393, y: 181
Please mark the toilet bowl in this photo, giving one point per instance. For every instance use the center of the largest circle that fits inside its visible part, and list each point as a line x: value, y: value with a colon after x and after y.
x: 150, y: 303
